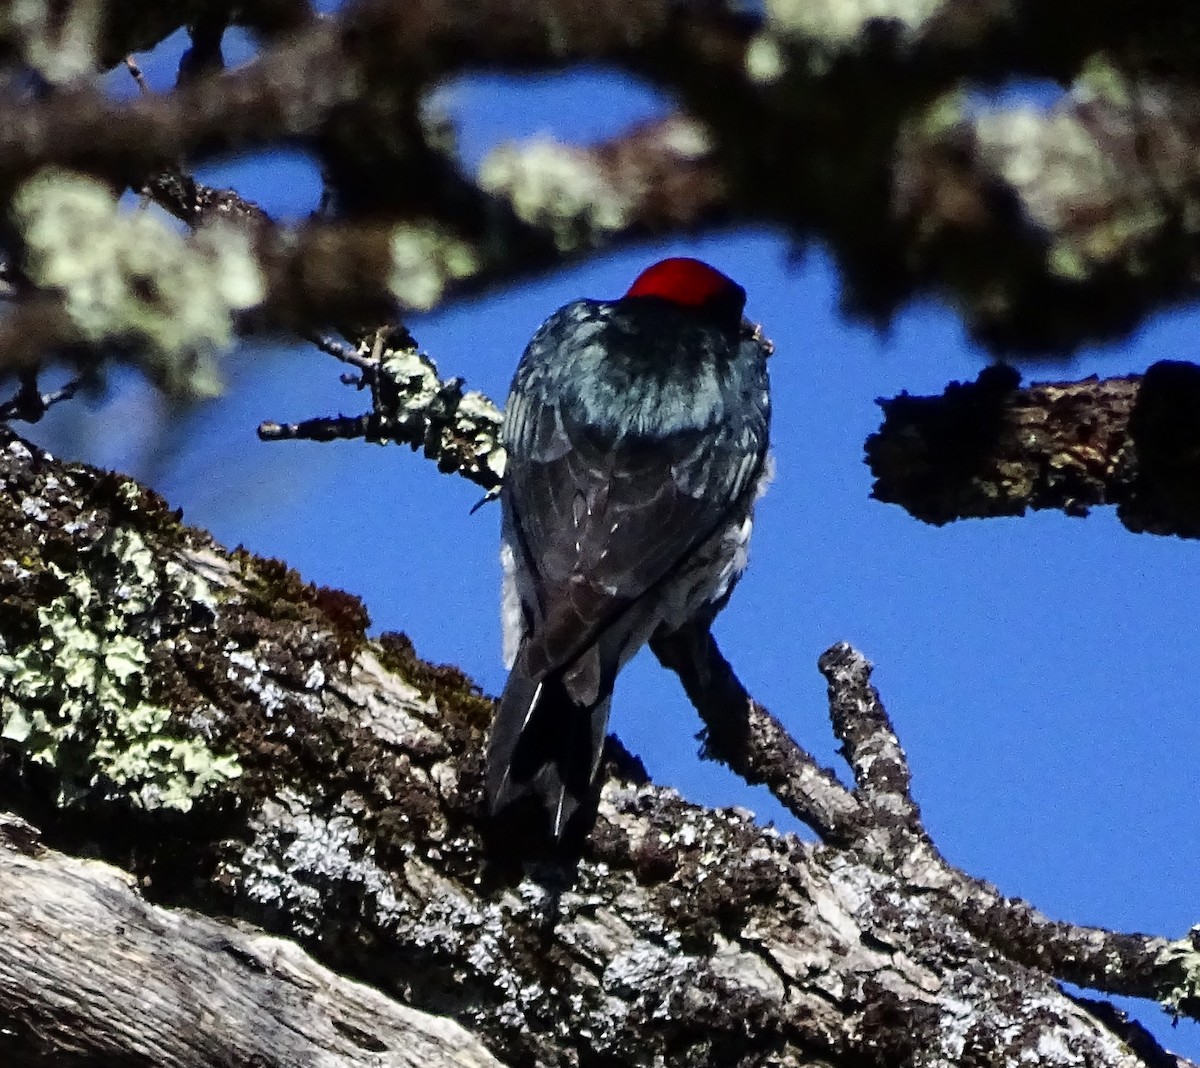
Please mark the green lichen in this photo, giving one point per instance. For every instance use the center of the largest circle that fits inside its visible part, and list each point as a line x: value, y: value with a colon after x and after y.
x: 835, y: 25
x: 560, y: 189
x: 425, y: 260
x: 1102, y: 80
x: 129, y: 277
x: 58, y: 41
x: 415, y: 378
x: 943, y: 115
x: 74, y: 694
x: 765, y: 61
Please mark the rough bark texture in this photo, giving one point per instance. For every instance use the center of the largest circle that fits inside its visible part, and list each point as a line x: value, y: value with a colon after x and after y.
x: 991, y: 448
x: 228, y: 736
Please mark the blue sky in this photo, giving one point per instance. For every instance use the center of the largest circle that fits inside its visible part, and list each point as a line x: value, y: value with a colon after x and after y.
x: 1040, y: 671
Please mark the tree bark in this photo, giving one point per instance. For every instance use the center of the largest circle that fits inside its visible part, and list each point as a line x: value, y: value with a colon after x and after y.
x: 989, y: 448
x: 228, y: 736
x: 92, y: 973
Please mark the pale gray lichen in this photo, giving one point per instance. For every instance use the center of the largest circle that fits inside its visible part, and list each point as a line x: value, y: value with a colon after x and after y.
x: 298, y: 859
x: 74, y: 693
x: 426, y: 258
x: 58, y: 41
x: 558, y: 188
x: 477, y: 420
x: 128, y: 277
x: 765, y: 59
x: 1063, y: 175
x: 468, y: 424
x: 1182, y: 957
x: 414, y: 376
x: 835, y: 25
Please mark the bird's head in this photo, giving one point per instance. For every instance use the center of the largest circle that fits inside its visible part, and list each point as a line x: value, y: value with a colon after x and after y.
x: 694, y: 287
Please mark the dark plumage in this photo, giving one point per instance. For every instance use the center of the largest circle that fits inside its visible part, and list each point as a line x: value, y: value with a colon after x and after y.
x: 636, y: 432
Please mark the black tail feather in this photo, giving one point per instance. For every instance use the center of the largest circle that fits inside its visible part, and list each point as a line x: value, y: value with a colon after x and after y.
x: 544, y: 746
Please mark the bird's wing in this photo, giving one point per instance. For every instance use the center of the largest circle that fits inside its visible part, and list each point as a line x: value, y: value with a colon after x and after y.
x: 600, y: 519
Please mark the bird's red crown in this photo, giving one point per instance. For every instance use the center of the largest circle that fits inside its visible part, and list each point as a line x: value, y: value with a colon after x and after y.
x: 687, y: 282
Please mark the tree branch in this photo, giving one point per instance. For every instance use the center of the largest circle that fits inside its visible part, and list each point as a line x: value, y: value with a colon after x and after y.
x: 989, y: 448
x: 230, y: 737
x: 1040, y: 225
x: 743, y: 735
x: 410, y: 405
x: 880, y: 822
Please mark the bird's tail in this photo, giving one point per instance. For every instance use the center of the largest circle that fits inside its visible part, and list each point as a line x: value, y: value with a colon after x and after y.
x: 544, y: 746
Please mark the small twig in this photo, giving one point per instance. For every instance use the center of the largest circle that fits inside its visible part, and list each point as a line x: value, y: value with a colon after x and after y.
x: 343, y: 352
x: 138, y: 76
x: 333, y: 428
x: 1117, y: 963
x: 383, y: 398
x: 411, y: 405
x: 869, y: 743
x: 29, y: 404
x: 745, y: 736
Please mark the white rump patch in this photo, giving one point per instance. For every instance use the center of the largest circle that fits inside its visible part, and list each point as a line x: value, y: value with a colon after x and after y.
x: 511, y: 617
x: 766, y: 478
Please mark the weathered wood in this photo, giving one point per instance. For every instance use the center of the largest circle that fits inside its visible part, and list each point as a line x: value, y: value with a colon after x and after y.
x: 91, y: 973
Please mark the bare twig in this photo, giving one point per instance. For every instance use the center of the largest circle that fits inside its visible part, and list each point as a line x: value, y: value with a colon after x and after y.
x: 29, y: 404
x: 136, y: 71
x: 741, y: 733
x: 869, y: 743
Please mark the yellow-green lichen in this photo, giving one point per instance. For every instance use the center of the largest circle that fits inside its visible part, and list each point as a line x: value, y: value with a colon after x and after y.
x: 943, y: 115
x: 57, y: 40
x: 414, y: 376
x: 835, y: 25
x: 1102, y: 80
x: 74, y: 693
x: 479, y: 419
x: 557, y: 188
x: 765, y: 62
x: 1071, y: 189
x: 129, y: 277
x: 425, y: 260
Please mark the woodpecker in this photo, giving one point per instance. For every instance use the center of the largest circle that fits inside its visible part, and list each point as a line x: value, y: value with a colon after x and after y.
x: 637, y: 432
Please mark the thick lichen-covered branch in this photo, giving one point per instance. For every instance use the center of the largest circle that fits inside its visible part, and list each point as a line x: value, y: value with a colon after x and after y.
x: 346, y: 814
x: 1088, y: 209
x: 992, y: 448
x: 855, y: 124
x: 109, y: 278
